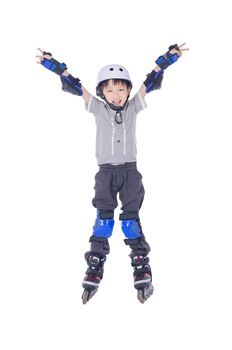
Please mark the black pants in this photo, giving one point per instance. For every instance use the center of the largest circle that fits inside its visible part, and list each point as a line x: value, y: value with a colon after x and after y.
x: 125, y: 180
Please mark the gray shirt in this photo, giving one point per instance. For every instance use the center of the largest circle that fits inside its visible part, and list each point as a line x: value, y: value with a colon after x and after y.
x: 116, y: 143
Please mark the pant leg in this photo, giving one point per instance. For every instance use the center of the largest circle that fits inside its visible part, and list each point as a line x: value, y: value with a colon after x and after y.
x: 105, y: 201
x: 105, y: 198
x: 132, y: 192
x: 132, y: 196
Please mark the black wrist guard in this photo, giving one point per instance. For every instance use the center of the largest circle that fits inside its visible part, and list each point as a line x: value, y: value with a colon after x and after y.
x: 167, y: 59
x: 71, y: 85
x: 153, y: 81
x: 53, y: 65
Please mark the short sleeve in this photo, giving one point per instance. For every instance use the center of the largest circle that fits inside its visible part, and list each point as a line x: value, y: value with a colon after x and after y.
x: 94, y: 105
x: 137, y: 103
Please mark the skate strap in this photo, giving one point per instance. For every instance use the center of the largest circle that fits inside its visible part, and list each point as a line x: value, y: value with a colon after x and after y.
x: 139, y: 260
x: 95, y: 259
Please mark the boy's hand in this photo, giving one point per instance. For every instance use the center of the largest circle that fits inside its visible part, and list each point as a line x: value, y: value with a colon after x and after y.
x: 50, y: 63
x: 175, y: 49
x: 171, y: 56
x: 45, y: 55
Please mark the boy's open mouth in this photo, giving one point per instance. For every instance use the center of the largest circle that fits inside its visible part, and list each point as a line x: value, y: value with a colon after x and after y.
x: 117, y: 103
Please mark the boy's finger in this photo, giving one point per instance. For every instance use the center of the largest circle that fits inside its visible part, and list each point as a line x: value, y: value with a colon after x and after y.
x: 48, y: 57
x: 181, y: 45
x: 184, y: 49
x: 174, y: 51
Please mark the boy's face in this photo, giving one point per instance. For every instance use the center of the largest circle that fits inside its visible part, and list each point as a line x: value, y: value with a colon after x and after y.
x: 116, y: 94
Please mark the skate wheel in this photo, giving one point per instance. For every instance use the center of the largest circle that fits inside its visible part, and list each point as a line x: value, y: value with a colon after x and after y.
x: 85, y: 296
x: 140, y: 296
x: 144, y: 294
x: 88, y: 294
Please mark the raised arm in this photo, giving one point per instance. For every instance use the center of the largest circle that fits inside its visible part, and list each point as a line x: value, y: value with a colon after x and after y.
x: 74, y: 86
x: 69, y: 83
x: 154, y: 79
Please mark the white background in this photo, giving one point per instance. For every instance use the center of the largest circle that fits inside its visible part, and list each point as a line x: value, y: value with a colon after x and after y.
x: 47, y: 145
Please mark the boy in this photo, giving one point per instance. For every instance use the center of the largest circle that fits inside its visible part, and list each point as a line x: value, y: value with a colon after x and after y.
x: 116, y: 156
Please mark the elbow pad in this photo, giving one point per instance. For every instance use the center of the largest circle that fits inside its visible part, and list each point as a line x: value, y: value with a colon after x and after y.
x: 71, y: 85
x: 154, y: 80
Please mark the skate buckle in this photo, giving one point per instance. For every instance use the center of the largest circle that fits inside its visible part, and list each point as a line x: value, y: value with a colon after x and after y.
x: 94, y: 260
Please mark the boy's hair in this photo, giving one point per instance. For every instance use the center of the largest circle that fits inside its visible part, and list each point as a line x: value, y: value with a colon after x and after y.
x: 105, y: 83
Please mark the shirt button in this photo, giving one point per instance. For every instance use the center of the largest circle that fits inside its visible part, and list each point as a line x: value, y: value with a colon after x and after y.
x: 118, y: 141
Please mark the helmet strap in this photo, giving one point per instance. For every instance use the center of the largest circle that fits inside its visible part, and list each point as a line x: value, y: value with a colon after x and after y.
x: 118, y: 109
x: 118, y: 117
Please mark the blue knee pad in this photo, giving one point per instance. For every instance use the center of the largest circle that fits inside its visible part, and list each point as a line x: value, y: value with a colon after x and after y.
x: 103, y: 227
x: 131, y: 229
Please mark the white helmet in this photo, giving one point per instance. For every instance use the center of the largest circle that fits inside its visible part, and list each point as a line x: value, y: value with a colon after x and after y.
x: 113, y: 71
